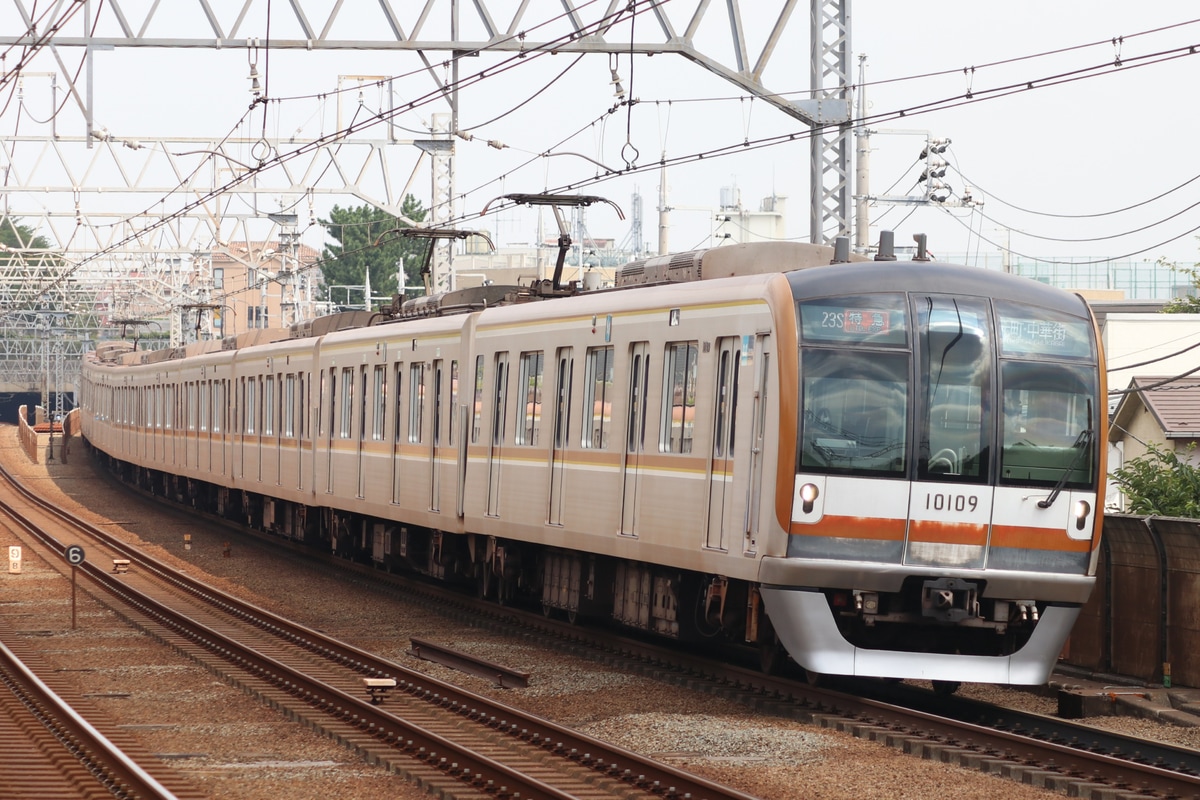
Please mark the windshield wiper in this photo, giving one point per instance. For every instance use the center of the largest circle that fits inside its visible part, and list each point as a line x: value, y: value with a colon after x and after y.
x: 1081, y: 445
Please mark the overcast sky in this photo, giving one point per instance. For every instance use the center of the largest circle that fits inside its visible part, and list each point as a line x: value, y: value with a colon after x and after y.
x: 1112, y: 140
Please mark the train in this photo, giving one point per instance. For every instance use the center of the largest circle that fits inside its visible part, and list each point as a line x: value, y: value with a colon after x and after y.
x: 878, y: 467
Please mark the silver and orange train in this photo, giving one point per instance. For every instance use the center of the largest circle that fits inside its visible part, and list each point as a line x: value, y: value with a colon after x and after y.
x: 888, y: 468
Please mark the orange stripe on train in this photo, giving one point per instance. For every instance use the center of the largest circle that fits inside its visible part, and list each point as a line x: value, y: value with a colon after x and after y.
x: 889, y: 530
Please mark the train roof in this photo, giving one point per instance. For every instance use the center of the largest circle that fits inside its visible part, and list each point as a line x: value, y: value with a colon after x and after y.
x: 754, y: 258
x: 933, y: 277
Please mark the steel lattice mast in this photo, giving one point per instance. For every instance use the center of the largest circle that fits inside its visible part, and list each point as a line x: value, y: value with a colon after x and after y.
x: 103, y: 192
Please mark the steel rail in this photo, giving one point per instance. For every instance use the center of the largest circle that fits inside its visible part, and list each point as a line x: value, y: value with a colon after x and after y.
x: 607, y: 759
x: 93, y: 750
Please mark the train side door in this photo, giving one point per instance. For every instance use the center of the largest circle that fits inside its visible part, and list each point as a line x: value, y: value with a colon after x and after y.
x: 435, y: 441
x: 332, y: 395
x: 271, y: 423
x: 397, y: 431
x: 499, y: 415
x: 361, y: 416
x: 635, y: 435
x: 758, y: 428
x: 721, y: 467
x: 239, y: 463
x: 562, y: 424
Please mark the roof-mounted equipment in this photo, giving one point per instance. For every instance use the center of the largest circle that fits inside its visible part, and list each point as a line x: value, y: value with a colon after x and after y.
x: 433, y: 234
x: 554, y: 287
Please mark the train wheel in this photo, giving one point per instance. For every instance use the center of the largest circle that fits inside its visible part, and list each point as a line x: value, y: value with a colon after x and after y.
x: 573, y: 616
x: 771, y: 656
x: 946, y: 688
x: 814, y: 678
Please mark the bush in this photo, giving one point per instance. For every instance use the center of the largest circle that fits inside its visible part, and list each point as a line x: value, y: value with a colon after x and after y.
x: 1160, y: 483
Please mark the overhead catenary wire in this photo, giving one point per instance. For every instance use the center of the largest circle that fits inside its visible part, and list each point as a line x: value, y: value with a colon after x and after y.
x: 747, y: 144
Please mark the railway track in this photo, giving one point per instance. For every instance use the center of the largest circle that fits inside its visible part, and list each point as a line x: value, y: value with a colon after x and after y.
x: 1045, y: 752
x: 51, y: 750
x: 1057, y: 754
x: 451, y: 741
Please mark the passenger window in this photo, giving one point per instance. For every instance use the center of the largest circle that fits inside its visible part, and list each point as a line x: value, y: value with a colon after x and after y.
x: 597, y: 397
x: 530, y: 389
x: 477, y: 405
x: 379, y: 392
x: 679, y: 398
x: 500, y: 399
x: 398, y: 375
x: 269, y: 405
x: 347, y: 418
x: 251, y: 406
x: 416, y: 401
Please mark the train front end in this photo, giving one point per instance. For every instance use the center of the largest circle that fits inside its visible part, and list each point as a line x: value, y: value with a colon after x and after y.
x: 949, y: 471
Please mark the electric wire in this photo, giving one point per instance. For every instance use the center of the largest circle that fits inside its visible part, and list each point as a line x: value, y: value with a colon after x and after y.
x: 541, y: 50
x: 955, y: 101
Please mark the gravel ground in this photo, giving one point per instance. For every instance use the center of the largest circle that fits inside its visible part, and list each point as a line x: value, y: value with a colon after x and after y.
x: 234, y: 748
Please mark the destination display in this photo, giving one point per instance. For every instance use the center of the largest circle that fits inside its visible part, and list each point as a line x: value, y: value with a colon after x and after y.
x: 1047, y: 334
x: 877, y: 319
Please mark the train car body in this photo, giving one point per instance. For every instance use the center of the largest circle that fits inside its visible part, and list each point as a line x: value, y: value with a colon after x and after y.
x: 888, y: 468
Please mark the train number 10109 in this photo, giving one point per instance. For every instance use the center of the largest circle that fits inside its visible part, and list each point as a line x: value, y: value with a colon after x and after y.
x: 936, y: 501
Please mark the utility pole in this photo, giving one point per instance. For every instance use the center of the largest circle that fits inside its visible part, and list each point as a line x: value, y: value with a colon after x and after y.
x: 664, y: 213
x: 862, y: 170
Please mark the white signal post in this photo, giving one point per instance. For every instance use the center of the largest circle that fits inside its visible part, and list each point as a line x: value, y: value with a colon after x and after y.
x: 75, y: 557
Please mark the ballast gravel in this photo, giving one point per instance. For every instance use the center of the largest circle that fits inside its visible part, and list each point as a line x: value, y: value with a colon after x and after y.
x: 233, y: 748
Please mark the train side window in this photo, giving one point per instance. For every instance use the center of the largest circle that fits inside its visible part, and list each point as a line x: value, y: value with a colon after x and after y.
x: 347, y: 417
x: 289, y: 406
x: 269, y: 405
x: 416, y: 401
x: 204, y: 389
x: 398, y: 382
x: 639, y: 381
x: 362, y: 412
x: 597, y: 397
x: 453, y: 398
x: 302, y: 412
x: 239, y: 405
x: 330, y: 391
x: 251, y: 406
x: 477, y: 404
x: 500, y: 399
x: 679, y: 398
x: 218, y: 403
x: 562, y: 408
x: 437, y: 401
x: 379, y: 393
x: 529, y: 388
x: 727, y: 397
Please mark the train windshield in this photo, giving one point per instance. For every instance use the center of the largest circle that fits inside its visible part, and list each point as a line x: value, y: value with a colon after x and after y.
x: 855, y: 385
x: 955, y: 358
x: 947, y: 389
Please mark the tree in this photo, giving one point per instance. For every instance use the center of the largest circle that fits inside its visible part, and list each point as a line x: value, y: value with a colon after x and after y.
x: 1160, y: 483
x: 365, y: 243
x: 16, y: 236
x: 1184, y: 305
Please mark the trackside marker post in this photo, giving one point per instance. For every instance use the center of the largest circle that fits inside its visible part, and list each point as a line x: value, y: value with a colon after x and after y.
x: 14, y: 560
x: 75, y: 557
